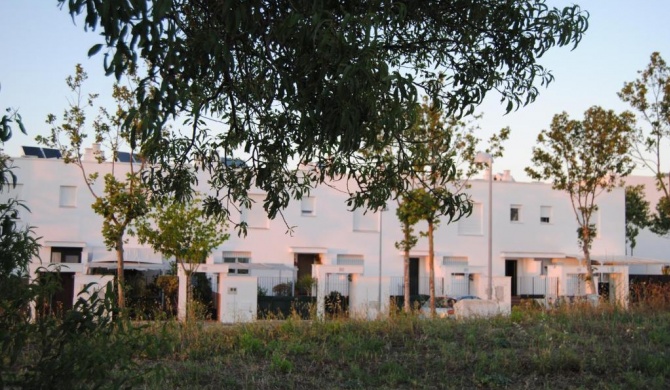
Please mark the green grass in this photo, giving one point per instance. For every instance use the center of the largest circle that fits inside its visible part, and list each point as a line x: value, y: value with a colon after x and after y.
x: 580, y: 347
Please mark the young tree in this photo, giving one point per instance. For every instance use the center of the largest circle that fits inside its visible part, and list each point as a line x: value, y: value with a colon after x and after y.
x: 183, y: 231
x: 637, y: 214
x: 443, y: 160
x: 123, y: 199
x: 314, y: 82
x: 650, y: 96
x: 408, y: 217
x: 585, y: 158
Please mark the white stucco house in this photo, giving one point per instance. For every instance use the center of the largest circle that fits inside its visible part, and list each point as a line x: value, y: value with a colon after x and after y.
x: 534, y: 243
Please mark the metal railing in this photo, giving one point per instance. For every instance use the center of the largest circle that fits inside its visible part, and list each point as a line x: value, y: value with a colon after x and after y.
x: 338, y: 283
x: 538, y: 286
x: 575, y: 285
x: 276, y: 286
x: 397, y: 287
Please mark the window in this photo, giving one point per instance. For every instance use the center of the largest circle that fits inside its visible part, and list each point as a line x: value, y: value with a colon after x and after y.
x: 349, y: 259
x: 455, y: 260
x: 472, y: 225
x: 366, y: 221
x: 237, y: 258
x: 255, y: 217
x: 307, y: 206
x: 515, y: 213
x: 545, y: 214
x: 66, y: 255
x: 68, y: 196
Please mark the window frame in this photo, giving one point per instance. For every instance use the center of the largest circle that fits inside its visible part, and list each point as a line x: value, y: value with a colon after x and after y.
x: 548, y: 216
x: 519, y: 214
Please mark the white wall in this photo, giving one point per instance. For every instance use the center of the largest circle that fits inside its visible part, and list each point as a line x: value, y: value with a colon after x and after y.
x: 330, y: 230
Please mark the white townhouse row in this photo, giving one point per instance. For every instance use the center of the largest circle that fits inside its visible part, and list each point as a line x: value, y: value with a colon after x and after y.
x: 533, y: 248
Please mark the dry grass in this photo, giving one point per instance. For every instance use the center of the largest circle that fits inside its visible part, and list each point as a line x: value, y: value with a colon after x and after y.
x: 570, y: 347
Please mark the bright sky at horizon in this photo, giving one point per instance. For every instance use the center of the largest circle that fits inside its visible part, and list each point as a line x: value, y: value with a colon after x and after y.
x: 40, y: 47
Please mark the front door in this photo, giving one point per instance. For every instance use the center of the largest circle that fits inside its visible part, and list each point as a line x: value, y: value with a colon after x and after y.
x: 304, y: 262
x: 511, y: 271
x: 413, y: 276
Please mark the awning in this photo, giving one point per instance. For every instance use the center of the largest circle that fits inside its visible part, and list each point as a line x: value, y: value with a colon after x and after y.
x: 130, y: 265
x: 532, y: 255
x: 133, y: 258
x: 621, y: 260
x: 262, y: 266
x: 138, y: 255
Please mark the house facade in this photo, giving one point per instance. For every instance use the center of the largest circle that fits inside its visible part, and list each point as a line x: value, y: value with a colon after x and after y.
x: 534, y: 249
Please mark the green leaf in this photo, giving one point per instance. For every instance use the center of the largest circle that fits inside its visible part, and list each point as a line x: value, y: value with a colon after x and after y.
x: 94, y: 49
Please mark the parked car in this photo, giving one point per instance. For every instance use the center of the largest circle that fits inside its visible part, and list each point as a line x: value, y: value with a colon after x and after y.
x: 444, y: 306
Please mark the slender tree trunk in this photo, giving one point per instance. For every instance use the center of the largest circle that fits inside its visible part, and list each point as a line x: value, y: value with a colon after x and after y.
x: 189, y: 296
x: 590, y: 284
x: 121, y: 295
x: 406, y: 305
x: 431, y: 268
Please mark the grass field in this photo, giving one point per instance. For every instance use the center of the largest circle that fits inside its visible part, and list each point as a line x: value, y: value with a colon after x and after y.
x: 575, y: 347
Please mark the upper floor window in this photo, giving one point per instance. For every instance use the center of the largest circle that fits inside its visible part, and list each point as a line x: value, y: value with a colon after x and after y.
x: 515, y: 213
x: 366, y: 221
x: 255, y: 216
x: 237, y: 258
x: 68, y: 196
x: 66, y: 255
x: 545, y: 214
x: 307, y: 206
x: 472, y: 225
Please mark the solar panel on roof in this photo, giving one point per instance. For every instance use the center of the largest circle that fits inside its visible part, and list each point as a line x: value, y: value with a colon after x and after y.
x: 136, y: 158
x: 51, y: 153
x: 123, y: 157
x: 33, y: 151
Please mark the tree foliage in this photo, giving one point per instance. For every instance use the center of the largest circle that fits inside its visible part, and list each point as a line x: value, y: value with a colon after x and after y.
x: 637, y: 214
x: 81, y: 349
x: 314, y: 81
x: 585, y: 158
x: 183, y: 231
x: 442, y: 151
x: 124, y: 197
x: 650, y: 96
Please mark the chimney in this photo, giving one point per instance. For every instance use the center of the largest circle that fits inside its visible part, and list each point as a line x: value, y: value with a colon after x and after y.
x: 92, y: 153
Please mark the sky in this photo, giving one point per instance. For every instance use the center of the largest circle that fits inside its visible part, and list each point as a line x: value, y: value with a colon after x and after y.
x: 40, y: 46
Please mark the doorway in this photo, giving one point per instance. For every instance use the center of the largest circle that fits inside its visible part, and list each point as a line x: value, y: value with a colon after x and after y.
x: 511, y: 271
x: 413, y: 276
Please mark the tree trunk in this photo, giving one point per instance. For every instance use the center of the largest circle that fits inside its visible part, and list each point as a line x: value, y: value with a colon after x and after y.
x: 189, y: 296
x: 431, y: 268
x: 586, y: 243
x: 407, y: 307
x: 121, y: 295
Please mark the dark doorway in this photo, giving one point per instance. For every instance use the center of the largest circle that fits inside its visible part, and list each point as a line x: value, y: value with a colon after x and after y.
x: 62, y: 296
x: 413, y: 276
x: 304, y: 262
x: 604, y: 290
x: 511, y: 271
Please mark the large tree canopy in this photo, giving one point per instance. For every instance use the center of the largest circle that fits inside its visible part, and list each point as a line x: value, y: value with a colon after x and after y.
x: 315, y: 81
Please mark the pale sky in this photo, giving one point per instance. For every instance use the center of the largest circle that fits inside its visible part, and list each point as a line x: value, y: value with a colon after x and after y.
x: 40, y: 45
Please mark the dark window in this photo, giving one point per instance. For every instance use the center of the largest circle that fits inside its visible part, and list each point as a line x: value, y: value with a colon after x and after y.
x: 66, y: 255
x: 514, y: 214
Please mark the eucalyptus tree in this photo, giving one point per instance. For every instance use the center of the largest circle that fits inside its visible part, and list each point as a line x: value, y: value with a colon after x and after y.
x: 650, y: 96
x: 124, y: 197
x: 183, y: 231
x: 585, y: 158
x: 313, y: 81
x: 637, y: 214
